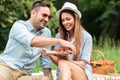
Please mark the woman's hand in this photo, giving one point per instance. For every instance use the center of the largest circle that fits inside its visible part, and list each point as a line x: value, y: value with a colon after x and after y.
x: 62, y: 56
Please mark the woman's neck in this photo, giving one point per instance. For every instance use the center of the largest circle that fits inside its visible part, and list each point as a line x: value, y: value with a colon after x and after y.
x: 71, y: 36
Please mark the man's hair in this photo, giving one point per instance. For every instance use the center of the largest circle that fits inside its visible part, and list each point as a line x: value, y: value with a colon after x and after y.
x: 38, y: 4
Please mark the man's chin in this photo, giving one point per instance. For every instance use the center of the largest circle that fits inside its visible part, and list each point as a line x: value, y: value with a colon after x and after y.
x: 42, y: 27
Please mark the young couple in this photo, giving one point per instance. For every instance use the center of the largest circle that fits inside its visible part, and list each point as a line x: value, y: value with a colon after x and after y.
x: 75, y: 66
x: 26, y: 39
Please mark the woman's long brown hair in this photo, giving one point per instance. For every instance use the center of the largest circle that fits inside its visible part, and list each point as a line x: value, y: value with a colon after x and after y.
x: 77, y: 32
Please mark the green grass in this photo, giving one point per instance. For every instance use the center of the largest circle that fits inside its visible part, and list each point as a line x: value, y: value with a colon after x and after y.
x: 38, y: 68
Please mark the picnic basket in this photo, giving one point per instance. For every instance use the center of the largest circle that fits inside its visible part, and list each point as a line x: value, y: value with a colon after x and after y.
x: 102, y: 66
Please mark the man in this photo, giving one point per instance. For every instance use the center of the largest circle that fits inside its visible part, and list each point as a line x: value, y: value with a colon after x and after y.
x: 45, y: 61
x: 23, y: 47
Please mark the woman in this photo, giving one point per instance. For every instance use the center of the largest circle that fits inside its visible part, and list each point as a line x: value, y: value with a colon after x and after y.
x: 75, y: 67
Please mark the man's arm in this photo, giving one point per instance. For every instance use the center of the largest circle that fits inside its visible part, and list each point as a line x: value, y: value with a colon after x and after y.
x: 40, y: 41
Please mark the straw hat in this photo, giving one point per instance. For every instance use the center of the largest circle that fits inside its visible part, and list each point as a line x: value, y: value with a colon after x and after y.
x: 69, y: 6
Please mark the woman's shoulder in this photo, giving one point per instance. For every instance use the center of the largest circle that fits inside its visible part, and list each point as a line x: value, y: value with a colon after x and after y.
x: 86, y: 34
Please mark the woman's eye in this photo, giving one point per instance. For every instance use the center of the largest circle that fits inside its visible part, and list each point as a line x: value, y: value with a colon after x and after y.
x: 63, y: 20
x: 68, y: 19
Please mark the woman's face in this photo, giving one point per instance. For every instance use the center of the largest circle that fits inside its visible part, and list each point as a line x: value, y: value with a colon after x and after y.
x: 67, y: 21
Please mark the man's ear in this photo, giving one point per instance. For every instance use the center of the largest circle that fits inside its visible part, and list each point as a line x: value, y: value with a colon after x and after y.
x: 33, y: 12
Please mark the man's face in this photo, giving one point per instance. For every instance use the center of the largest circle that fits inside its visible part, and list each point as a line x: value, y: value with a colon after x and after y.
x: 41, y: 17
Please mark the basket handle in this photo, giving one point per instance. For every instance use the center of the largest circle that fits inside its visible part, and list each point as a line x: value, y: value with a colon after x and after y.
x: 99, y: 52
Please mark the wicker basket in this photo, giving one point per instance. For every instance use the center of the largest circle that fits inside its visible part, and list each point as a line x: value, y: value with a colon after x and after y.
x: 102, y: 66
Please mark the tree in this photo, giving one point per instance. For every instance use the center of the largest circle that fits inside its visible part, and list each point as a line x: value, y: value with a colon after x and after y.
x: 111, y: 20
x: 13, y: 10
x: 101, y: 18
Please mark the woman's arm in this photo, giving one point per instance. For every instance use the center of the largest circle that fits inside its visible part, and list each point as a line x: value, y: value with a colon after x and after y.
x: 54, y: 59
x: 81, y: 63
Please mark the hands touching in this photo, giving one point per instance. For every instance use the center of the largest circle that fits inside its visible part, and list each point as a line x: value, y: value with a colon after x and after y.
x: 68, y: 46
x: 68, y: 49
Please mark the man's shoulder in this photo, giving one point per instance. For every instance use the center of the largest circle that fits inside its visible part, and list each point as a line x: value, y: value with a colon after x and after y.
x: 21, y: 22
x: 46, y: 29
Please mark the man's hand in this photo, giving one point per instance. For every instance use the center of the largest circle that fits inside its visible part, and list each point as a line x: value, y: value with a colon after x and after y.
x: 68, y: 46
x: 43, y: 51
x: 2, y: 78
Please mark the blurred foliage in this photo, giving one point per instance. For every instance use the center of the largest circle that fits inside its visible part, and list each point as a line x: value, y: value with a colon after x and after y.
x: 12, y: 10
x: 100, y: 18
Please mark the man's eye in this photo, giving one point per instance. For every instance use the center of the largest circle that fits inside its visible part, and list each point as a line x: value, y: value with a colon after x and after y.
x: 45, y: 15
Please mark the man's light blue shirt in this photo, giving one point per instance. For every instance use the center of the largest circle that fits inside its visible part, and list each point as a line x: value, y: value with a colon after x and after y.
x: 18, y: 53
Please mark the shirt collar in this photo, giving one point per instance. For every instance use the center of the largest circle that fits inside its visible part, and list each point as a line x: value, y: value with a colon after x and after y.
x: 31, y: 28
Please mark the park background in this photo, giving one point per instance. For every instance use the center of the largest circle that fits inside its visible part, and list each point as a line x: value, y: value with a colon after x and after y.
x: 101, y: 18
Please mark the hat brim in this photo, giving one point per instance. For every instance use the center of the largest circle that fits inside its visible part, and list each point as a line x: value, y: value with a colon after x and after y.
x: 68, y: 8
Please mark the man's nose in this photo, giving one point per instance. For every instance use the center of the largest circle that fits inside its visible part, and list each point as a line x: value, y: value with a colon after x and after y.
x: 46, y: 19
